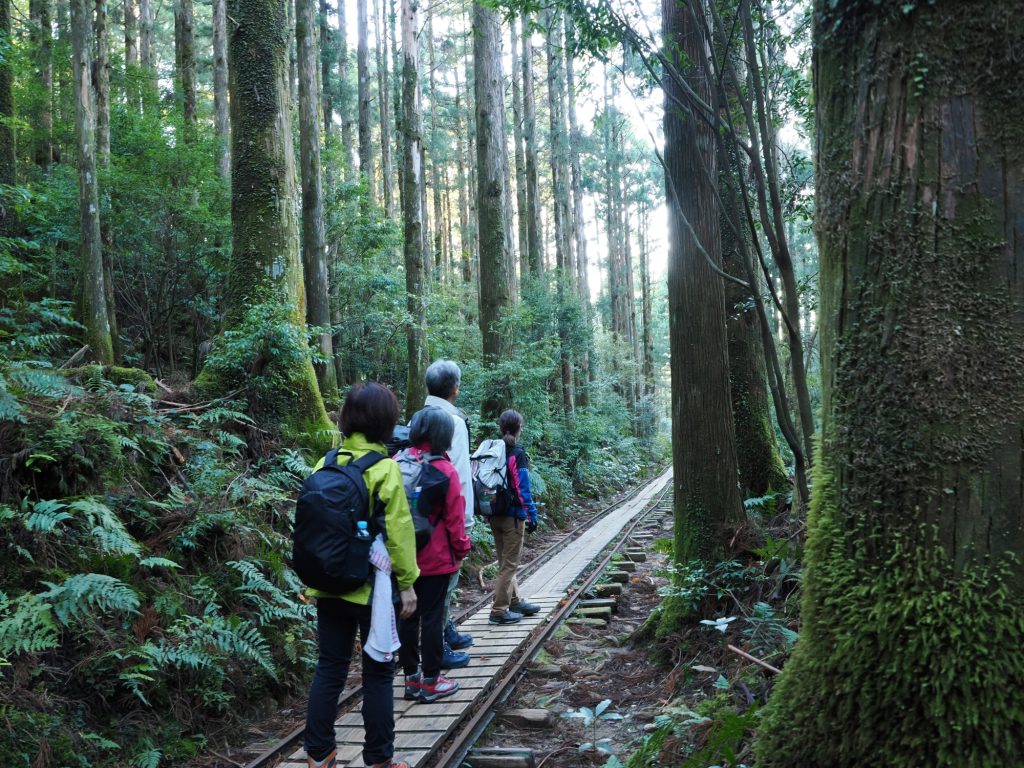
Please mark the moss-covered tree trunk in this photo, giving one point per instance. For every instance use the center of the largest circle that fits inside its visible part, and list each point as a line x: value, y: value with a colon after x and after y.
x: 8, y: 157
x: 314, y: 241
x: 913, y: 617
x: 365, y: 107
x: 707, y: 501
x: 185, y: 59
x: 94, y: 295
x: 265, y: 302
x: 412, y: 212
x: 491, y: 151
x: 101, y: 83
x: 221, y: 120
x: 757, y: 449
x: 42, y: 40
x: 533, y: 237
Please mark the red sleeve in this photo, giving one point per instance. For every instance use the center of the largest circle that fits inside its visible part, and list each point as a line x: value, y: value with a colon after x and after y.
x: 513, y: 479
x: 455, y: 513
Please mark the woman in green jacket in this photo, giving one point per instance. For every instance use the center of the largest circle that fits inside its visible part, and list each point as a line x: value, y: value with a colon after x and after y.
x: 367, y: 419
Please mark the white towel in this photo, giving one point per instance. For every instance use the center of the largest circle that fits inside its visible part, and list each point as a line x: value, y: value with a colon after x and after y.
x: 383, y: 639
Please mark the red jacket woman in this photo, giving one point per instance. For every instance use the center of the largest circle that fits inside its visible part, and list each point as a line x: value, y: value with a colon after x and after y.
x: 431, y: 432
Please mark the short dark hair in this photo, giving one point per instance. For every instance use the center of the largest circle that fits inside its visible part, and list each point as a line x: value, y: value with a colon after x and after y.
x: 370, y: 408
x: 442, y: 377
x: 434, y: 426
x: 510, y: 422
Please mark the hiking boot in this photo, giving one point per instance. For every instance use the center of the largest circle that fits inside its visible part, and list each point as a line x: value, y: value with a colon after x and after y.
x: 525, y: 608
x: 331, y: 761
x: 453, y: 659
x: 434, y: 688
x: 413, y: 684
x: 391, y: 764
x: 504, y: 617
x: 454, y: 639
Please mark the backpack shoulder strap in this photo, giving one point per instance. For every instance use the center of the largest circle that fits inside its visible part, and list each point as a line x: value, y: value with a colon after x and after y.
x: 331, y: 459
x: 367, y: 460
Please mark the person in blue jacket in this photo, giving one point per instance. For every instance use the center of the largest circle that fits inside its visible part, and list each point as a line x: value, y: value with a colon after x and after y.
x: 509, y: 523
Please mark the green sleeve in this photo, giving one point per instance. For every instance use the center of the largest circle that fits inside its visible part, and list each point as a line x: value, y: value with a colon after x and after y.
x: 401, y: 541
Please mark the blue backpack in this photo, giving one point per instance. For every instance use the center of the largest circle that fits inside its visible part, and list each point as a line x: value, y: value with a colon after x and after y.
x: 327, y: 552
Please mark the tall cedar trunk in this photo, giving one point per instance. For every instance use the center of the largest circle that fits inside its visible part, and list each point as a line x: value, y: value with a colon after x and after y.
x: 42, y: 42
x: 491, y: 170
x: 94, y: 294
x: 646, y: 303
x: 757, y: 450
x: 8, y: 155
x: 185, y: 59
x: 265, y: 272
x: 221, y: 121
x: 314, y: 245
x: 708, y: 507
x: 909, y: 652
x: 101, y: 83
x: 461, y: 136
x: 412, y: 214
x: 326, y: 81
x: 578, y: 234
x: 365, y: 109
x: 771, y: 210
x: 440, y: 257
x: 345, y: 91
x: 629, y: 306
x: 386, y: 163
x: 520, y: 155
x: 131, y: 32
x: 147, y: 54
x: 535, y: 247
x: 293, y: 57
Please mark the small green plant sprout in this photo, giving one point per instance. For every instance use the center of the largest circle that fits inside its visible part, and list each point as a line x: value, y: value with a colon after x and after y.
x: 767, y: 631
x: 590, y: 718
x: 721, y: 623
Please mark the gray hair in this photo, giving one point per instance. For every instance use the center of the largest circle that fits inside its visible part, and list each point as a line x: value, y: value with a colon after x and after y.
x: 434, y: 426
x: 442, y: 377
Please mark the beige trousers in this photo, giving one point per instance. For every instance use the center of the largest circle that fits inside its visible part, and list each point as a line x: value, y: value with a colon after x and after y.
x: 508, y: 544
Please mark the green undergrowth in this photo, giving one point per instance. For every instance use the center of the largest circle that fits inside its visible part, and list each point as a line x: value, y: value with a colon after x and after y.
x: 145, y: 601
x: 715, y: 697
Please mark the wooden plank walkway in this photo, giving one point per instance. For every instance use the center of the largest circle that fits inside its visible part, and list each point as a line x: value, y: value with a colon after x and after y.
x: 418, y: 727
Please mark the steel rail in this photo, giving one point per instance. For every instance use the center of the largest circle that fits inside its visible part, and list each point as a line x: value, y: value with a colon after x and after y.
x: 461, y: 743
x: 288, y: 742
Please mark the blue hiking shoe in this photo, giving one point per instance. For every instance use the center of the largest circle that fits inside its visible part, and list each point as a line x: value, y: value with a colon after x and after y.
x: 454, y: 640
x: 453, y: 659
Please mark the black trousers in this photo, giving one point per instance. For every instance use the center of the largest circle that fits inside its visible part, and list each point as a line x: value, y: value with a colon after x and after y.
x: 337, y: 623
x: 423, y: 632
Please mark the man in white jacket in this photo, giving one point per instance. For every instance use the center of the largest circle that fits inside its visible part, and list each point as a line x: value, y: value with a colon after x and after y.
x: 443, y: 378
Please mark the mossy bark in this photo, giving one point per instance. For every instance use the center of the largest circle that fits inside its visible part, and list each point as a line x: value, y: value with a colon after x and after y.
x: 95, y: 313
x: 495, y: 295
x: 708, y: 507
x: 913, y: 612
x: 265, y: 267
x: 412, y: 213
x: 757, y: 450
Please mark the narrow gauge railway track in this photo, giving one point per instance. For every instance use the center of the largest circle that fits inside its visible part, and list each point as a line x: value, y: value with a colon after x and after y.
x: 272, y: 756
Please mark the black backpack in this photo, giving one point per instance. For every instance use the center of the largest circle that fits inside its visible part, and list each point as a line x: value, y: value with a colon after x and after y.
x: 327, y: 554
x: 419, y: 472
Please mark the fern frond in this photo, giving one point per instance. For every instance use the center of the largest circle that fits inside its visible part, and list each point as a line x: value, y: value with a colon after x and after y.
x: 46, y: 515
x: 86, y: 593
x: 27, y: 627
x: 36, y: 382
x: 149, y: 757
x: 220, y: 414
x: 107, y: 529
x: 158, y: 562
x: 296, y: 463
x: 10, y: 408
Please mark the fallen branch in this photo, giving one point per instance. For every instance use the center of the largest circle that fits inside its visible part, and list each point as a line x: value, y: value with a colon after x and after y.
x: 754, y: 659
x: 75, y: 358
